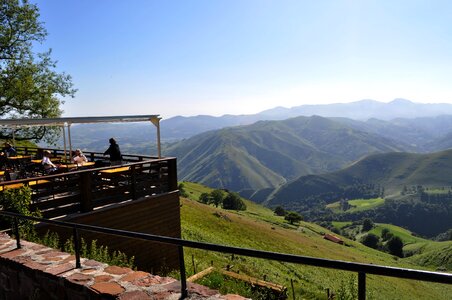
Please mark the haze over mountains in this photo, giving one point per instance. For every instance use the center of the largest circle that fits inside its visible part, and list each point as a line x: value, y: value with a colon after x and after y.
x: 266, y: 154
x: 399, y: 116
x: 184, y: 127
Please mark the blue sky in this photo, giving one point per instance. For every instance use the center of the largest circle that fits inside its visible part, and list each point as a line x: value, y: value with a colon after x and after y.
x: 243, y: 56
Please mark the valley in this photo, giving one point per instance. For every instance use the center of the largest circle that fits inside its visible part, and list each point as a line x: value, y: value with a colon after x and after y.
x: 326, y: 167
x: 258, y: 227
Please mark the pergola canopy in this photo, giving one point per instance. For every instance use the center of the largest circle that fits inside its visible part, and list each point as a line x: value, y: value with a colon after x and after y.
x: 68, y: 121
x: 78, y: 120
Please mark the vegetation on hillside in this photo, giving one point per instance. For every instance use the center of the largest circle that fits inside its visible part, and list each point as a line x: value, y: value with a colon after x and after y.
x: 260, y: 228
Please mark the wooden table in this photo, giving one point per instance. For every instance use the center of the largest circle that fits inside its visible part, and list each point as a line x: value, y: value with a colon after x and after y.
x: 11, y: 186
x: 111, y: 173
x: 19, y: 157
x: 115, y: 170
x: 77, y: 166
x: 38, y: 182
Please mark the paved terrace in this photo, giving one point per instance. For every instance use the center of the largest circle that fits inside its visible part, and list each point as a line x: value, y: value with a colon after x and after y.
x: 45, y: 273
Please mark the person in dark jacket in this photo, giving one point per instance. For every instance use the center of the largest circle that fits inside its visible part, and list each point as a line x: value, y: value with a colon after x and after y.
x: 114, y: 152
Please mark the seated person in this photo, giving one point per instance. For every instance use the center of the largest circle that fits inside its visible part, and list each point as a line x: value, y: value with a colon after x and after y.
x: 79, y: 158
x: 49, y: 167
x: 9, y: 150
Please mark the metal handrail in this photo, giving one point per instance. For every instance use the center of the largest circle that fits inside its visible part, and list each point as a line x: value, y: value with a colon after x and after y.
x: 361, y: 268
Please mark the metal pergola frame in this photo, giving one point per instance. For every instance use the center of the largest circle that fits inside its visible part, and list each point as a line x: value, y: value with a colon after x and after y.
x: 68, y: 121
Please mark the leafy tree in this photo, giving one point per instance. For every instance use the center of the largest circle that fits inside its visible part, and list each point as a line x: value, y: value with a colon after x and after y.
x: 370, y: 240
x: 216, y: 197
x: 368, y: 224
x: 386, y: 234
x: 204, y: 198
x: 182, y: 190
x: 395, y: 246
x: 293, y: 217
x: 17, y: 201
x: 233, y: 201
x: 280, y: 211
x: 30, y: 87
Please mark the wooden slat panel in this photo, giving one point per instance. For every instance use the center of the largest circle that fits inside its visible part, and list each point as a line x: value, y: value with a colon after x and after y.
x: 61, y: 211
x: 55, y: 202
x: 156, y: 215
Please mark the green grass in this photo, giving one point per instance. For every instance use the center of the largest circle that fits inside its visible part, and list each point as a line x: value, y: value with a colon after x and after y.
x: 405, y: 235
x: 340, y: 225
x: 259, y: 228
x: 357, y: 205
x: 436, y: 191
x: 432, y: 254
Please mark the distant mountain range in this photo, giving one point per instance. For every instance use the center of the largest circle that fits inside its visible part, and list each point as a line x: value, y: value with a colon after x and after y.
x: 267, y: 154
x: 183, y: 127
x: 415, y: 123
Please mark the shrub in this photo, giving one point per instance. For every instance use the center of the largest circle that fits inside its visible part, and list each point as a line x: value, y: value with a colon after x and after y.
x: 293, y: 217
x: 280, y: 211
x: 233, y: 201
x: 370, y: 240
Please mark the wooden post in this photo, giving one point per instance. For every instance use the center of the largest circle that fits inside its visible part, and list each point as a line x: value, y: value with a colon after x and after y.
x: 172, y: 174
x: 85, y: 192
x: 193, y: 263
x: 361, y: 286
x: 133, y: 180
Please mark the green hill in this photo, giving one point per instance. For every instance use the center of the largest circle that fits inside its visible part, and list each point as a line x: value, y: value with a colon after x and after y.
x: 269, y: 153
x: 391, y: 170
x: 259, y: 228
x: 372, y: 176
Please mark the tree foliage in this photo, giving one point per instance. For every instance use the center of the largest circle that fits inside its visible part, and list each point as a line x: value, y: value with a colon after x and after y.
x: 182, y: 191
x: 30, y: 86
x: 370, y: 240
x: 280, y: 211
x: 204, y: 198
x: 216, y: 197
x: 293, y: 217
x: 395, y: 246
x: 233, y: 201
x: 368, y: 224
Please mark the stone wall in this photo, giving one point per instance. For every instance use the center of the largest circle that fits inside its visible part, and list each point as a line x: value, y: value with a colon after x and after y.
x: 37, y: 272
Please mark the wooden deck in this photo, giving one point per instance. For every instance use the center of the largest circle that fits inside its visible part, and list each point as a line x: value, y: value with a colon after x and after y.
x: 83, y: 190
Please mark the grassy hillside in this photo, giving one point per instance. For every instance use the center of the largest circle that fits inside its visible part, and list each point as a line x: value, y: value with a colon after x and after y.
x: 389, y: 173
x: 269, y: 153
x: 357, y: 205
x: 259, y: 228
x: 431, y: 254
x: 392, y: 170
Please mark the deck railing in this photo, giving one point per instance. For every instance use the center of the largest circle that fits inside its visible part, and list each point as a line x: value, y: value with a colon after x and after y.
x: 361, y: 268
x: 92, y: 156
x: 83, y: 190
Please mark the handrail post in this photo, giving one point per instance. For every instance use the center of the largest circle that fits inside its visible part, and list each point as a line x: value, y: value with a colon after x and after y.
x: 77, y: 248
x: 133, y: 180
x: 183, y: 277
x: 16, y: 232
x: 172, y: 174
x: 86, y: 204
x: 361, y: 286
